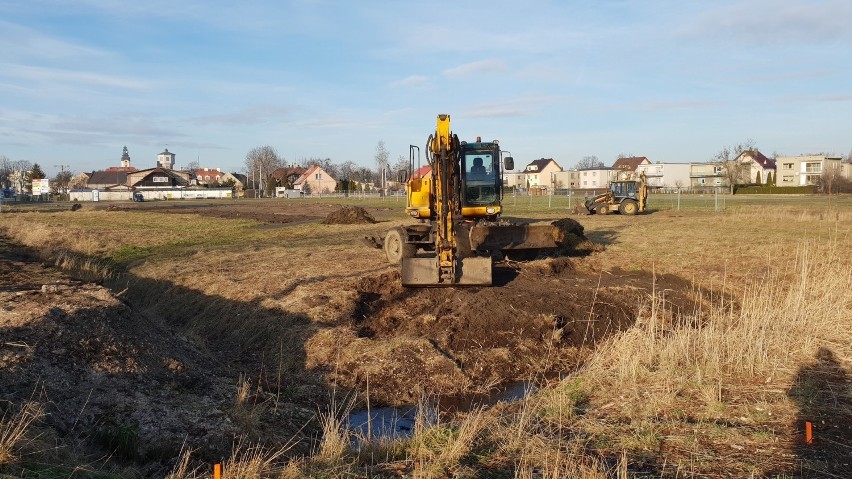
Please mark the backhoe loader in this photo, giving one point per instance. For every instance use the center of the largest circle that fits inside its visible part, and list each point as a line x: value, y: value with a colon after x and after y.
x: 627, y: 197
x: 457, y: 200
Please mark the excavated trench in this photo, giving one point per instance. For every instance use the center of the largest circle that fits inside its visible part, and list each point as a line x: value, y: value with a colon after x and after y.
x: 469, y: 347
x: 474, y: 346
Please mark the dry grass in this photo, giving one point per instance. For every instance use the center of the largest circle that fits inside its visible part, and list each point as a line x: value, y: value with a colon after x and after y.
x: 774, y: 285
x: 14, y: 427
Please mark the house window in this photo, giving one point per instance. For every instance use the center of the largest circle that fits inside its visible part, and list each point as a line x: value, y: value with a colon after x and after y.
x: 318, y: 176
x: 788, y: 166
x: 594, y: 173
x: 813, y: 168
x: 585, y: 182
x: 787, y: 179
x: 584, y: 174
x: 701, y: 181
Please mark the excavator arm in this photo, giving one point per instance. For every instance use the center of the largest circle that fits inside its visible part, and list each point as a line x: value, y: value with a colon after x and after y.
x: 447, y: 268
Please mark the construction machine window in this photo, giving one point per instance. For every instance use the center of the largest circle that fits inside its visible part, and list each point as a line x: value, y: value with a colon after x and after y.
x: 480, y: 178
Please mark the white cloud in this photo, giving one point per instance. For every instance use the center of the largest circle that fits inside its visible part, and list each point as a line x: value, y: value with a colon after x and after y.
x: 523, y: 106
x: 256, y: 115
x: 774, y: 22
x: 57, y: 75
x: 22, y: 43
x: 410, y: 81
x: 474, y: 68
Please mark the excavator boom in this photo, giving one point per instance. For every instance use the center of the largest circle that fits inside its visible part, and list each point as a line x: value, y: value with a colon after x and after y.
x: 447, y: 268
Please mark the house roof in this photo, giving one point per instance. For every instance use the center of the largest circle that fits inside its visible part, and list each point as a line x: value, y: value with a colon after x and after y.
x: 630, y: 163
x: 107, y: 177
x: 760, y: 159
x: 310, y: 171
x: 167, y: 152
x: 207, y: 171
x: 421, y: 172
x: 128, y: 169
x: 541, y: 164
x: 281, y: 173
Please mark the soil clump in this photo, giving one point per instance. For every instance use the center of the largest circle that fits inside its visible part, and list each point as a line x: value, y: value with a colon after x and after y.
x: 349, y: 215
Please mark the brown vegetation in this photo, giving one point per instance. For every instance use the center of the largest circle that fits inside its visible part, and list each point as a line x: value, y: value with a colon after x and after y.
x: 689, y: 345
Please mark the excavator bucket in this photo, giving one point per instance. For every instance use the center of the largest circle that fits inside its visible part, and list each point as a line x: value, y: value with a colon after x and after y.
x: 581, y: 210
x: 424, y: 272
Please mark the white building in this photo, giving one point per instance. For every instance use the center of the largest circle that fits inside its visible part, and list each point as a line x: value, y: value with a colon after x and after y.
x: 666, y: 175
x: 166, y: 160
x: 596, y: 178
x: 803, y: 170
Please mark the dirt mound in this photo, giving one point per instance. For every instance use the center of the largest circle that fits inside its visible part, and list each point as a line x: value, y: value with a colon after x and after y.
x: 349, y: 215
x: 112, y: 382
x: 545, y: 319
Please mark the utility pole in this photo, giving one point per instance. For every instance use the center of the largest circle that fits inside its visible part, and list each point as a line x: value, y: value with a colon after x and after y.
x: 62, y: 176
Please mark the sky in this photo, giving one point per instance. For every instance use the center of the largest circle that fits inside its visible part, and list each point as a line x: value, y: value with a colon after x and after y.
x: 210, y: 80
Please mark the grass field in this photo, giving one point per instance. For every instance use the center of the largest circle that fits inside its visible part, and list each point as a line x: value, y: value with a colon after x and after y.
x: 719, y: 390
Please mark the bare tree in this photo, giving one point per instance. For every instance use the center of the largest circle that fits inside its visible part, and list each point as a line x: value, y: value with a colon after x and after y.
x: 193, y: 165
x: 830, y: 180
x: 589, y: 162
x: 400, y: 169
x: 61, y: 181
x: 735, y: 171
x: 5, y: 171
x: 382, y: 159
x: 20, y: 175
x: 260, y: 162
x: 624, y: 155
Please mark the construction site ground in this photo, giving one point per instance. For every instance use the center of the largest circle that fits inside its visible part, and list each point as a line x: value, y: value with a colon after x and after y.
x: 147, y: 327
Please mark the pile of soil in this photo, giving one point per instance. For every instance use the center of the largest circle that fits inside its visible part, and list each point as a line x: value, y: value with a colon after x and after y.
x: 349, y: 215
x: 542, y: 319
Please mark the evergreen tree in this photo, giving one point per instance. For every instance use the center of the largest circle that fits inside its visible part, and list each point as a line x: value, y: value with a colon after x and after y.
x: 36, y: 172
x: 769, y: 179
x: 757, y: 179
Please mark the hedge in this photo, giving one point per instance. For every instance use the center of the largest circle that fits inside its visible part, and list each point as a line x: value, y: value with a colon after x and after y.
x: 775, y: 190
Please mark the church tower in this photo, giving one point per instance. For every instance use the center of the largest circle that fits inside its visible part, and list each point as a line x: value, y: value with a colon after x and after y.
x: 125, y: 158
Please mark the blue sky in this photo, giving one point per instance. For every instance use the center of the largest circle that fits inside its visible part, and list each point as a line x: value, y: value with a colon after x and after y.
x: 671, y: 80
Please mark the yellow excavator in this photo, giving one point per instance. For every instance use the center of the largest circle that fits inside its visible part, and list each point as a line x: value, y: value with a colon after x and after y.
x: 457, y: 200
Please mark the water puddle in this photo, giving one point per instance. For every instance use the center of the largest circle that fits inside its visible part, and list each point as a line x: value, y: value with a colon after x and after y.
x: 399, y: 422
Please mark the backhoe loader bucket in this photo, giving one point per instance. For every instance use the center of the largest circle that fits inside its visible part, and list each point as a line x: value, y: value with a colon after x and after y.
x: 581, y: 210
x: 424, y: 272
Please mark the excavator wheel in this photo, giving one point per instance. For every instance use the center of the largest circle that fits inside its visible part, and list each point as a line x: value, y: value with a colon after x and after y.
x: 396, y: 248
x: 628, y: 207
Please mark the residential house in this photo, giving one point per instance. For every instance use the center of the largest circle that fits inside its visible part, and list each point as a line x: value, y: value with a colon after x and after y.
x: 539, y: 173
x: 596, y: 178
x: 209, y: 176
x: 803, y: 170
x: 666, y: 175
x: 630, y: 166
x: 110, y: 179
x: 707, y: 175
x: 79, y: 181
x: 287, y: 176
x: 566, y: 179
x: 315, y: 180
x: 157, y: 178
x: 755, y: 167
